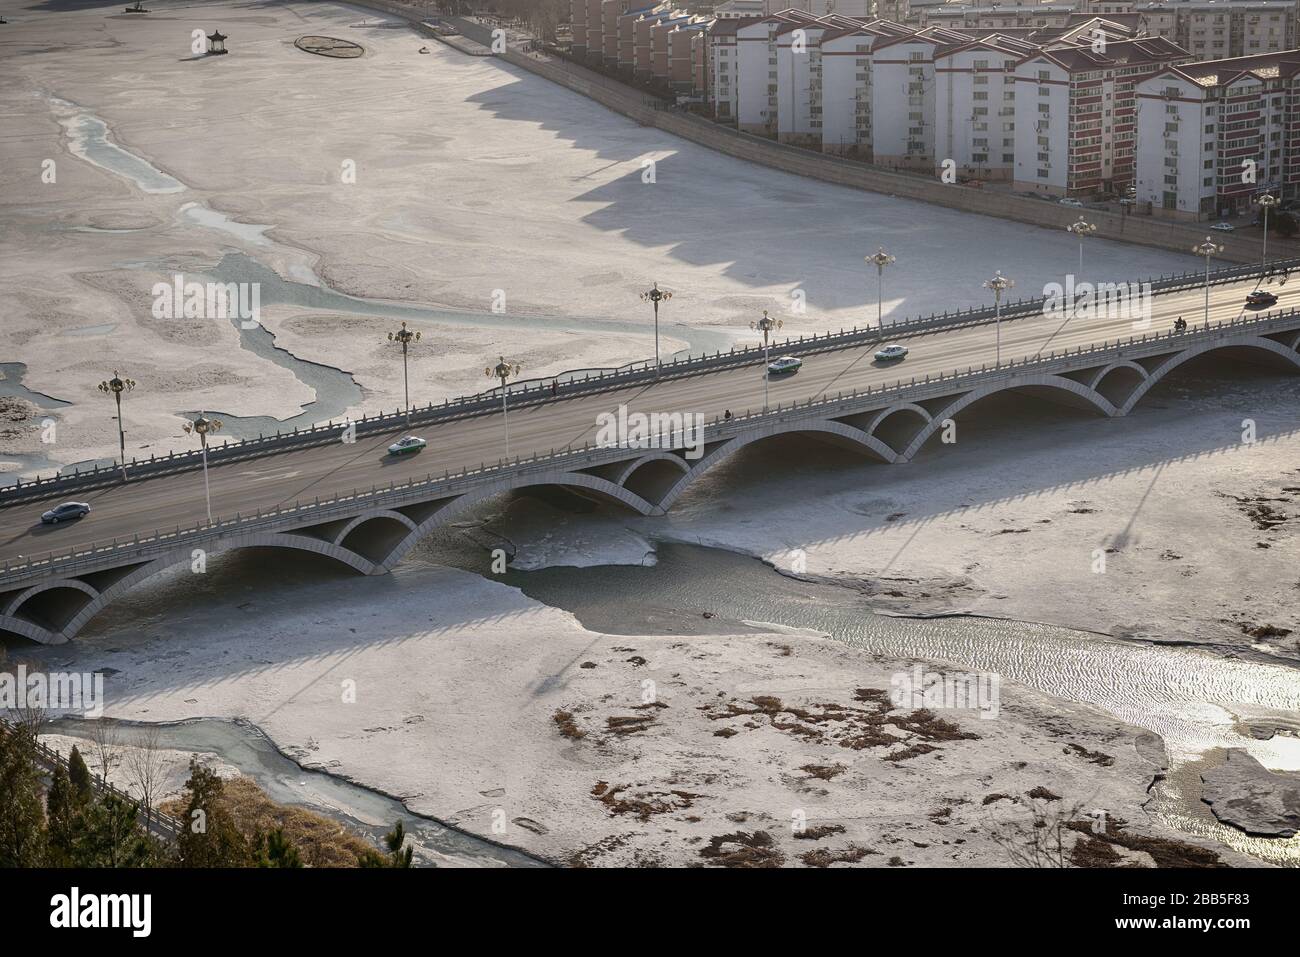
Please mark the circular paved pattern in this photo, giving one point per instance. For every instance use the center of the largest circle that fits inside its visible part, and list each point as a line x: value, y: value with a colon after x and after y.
x: 329, y: 46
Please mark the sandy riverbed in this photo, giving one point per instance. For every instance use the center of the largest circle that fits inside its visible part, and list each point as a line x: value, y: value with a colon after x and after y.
x: 477, y: 706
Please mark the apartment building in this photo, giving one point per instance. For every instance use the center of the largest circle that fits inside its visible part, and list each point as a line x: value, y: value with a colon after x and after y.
x: 903, y: 97
x: 687, y: 57
x: 735, y: 9
x: 649, y: 43
x: 756, y: 69
x: 1213, y: 29
x: 724, y: 66
x: 578, y: 27
x: 847, y: 84
x: 1213, y: 135
x: 994, y: 17
x: 975, y: 108
x: 1075, y: 120
x: 799, y: 79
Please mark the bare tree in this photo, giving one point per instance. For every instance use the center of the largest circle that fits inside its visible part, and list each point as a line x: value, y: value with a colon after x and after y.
x: 147, y: 768
x: 26, y: 712
x: 106, y: 748
x: 1041, y: 839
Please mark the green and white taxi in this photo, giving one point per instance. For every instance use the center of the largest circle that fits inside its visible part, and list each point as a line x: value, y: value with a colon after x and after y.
x: 407, y: 446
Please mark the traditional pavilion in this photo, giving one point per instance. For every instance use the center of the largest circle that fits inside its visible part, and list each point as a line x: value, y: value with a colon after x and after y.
x: 216, y: 42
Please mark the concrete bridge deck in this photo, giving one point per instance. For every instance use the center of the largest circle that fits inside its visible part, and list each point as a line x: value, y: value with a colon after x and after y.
x: 365, y: 509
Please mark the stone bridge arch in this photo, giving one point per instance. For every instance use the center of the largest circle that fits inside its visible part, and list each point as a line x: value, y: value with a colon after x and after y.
x: 55, y: 611
x: 840, y: 433
x: 1042, y: 383
x: 1252, y: 347
x: 431, y: 515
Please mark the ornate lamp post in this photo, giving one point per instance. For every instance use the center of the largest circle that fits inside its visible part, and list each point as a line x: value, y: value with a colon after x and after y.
x: 656, y: 296
x: 999, y: 284
x: 1081, y: 230
x: 405, y: 336
x: 880, y: 260
x: 504, y: 370
x: 203, y: 427
x: 767, y: 325
x: 1208, y: 249
x: 1265, y: 202
x: 115, y: 387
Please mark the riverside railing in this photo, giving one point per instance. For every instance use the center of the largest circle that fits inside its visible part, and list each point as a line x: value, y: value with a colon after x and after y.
x: 567, y: 385
x: 151, y: 819
x: 301, y: 513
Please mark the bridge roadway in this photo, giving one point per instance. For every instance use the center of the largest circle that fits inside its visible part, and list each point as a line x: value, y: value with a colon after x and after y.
x: 304, y: 474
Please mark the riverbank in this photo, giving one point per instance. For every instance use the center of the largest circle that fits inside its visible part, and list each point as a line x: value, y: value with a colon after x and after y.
x: 628, y: 750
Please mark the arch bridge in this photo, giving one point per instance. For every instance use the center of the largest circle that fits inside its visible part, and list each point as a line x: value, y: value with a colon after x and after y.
x: 49, y: 599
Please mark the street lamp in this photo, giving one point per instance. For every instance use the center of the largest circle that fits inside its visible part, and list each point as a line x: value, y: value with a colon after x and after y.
x: 656, y: 296
x: 768, y: 325
x: 1265, y: 202
x: 880, y: 260
x: 405, y: 336
x: 999, y: 284
x: 1208, y: 249
x: 1080, y: 230
x: 202, y: 427
x: 116, y: 386
x: 504, y: 370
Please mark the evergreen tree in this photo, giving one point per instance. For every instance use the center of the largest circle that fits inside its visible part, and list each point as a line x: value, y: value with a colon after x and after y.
x: 62, y: 820
x: 22, y: 819
x: 83, y: 785
x: 113, y: 836
x: 397, y: 856
x: 275, y: 850
x: 209, y: 837
x: 395, y: 839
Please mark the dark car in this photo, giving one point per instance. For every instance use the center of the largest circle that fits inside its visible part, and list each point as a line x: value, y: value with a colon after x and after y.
x: 64, y: 512
x: 1259, y: 299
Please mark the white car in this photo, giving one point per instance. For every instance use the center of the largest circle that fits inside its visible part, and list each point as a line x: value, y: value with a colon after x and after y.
x: 1223, y: 227
x: 784, y: 364
x: 891, y: 352
x: 410, y: 444
x: 1070, y: 202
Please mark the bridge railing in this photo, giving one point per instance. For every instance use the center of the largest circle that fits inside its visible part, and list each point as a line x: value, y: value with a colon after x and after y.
x: 570, y: 384
x: 301, y: 513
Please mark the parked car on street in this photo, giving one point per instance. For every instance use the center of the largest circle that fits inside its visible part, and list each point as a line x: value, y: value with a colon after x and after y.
x: 1223, y: 227
x: 1067, y: 201
x: 65, y: 512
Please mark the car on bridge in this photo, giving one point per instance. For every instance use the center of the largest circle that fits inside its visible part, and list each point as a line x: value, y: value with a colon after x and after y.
x: 1260, y: 298
x: 65, y: 512
x: 407, y: 446
x: 891, y: 352
x: 783, y: 365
